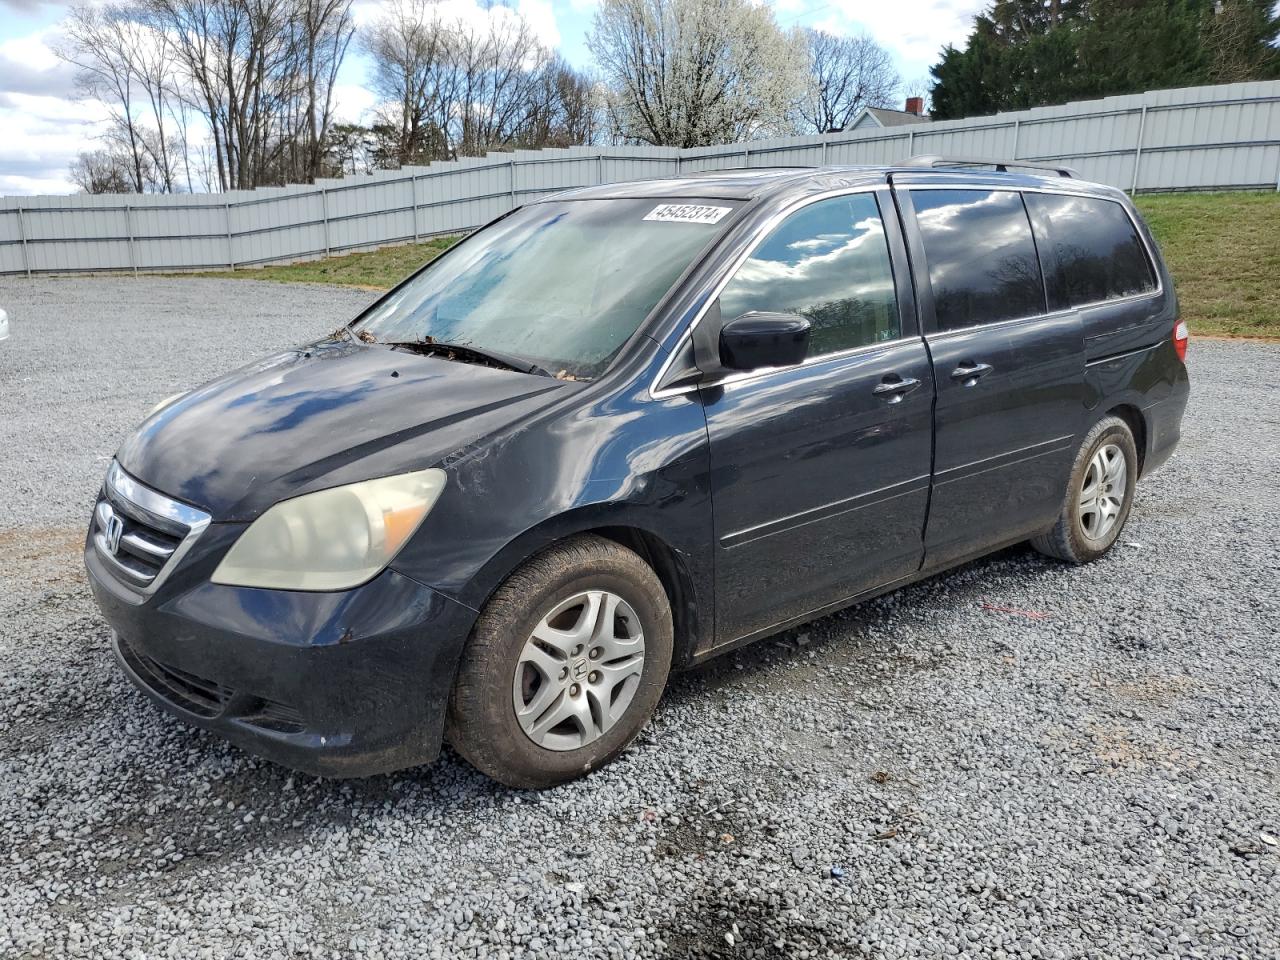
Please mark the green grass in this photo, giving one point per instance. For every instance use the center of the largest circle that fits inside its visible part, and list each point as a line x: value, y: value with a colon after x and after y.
x: 1223, y: 250
x: 376, y: 269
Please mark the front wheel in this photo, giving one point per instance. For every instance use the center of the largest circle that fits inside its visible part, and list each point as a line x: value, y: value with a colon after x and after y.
x: 1099, y: 495
x: 566, y: 664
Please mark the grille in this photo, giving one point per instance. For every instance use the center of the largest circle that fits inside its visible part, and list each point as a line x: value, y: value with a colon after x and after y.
x: 274, y: 715
x: 209, y: 698
x: 140, y: 533
x: 199, y: 695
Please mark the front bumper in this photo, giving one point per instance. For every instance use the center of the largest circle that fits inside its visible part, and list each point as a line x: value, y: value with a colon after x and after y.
x: 342, y: 684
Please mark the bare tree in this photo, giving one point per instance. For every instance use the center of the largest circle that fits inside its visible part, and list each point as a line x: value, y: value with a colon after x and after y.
x: 102, y: 171
x: 460, y: 86
x: 567, y: 109
x: 406, y: 48
x: 261, y: 72
x: 496, y: 78
x: 689, y: 73
x: 100, y: 42
x: 127, y: 65
x: 845, y: 75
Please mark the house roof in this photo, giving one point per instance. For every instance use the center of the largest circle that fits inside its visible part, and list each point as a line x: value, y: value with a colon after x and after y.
x: 888, y: 118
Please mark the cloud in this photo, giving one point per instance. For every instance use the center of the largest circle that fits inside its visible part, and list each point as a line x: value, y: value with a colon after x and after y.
x: 44, y: 125
x: 29, y: 65
x: 24, y: 6
x: 43, y: 134
x: 352, y: 101
x: 914, y: 30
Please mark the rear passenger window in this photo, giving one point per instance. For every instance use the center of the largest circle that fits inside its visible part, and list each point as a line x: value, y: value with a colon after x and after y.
x: 828, y: 262
x: 1096, y: 248
x: 982, y: 260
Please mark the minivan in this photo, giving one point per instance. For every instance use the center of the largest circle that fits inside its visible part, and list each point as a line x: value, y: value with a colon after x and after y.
x: 624, y: 429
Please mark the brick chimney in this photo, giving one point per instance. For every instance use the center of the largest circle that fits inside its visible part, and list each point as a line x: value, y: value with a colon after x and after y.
x: 915, y: 105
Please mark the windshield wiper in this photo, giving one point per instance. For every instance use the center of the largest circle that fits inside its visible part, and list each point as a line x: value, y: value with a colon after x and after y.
x: 433, y: 348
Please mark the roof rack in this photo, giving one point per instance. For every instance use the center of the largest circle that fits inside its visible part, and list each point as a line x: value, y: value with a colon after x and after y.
x: 1002, y: 166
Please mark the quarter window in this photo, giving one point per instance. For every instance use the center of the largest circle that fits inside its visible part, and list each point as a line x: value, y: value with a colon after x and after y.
x: 828, y: 262
x: 982, y: 259
x: 1096, y: 250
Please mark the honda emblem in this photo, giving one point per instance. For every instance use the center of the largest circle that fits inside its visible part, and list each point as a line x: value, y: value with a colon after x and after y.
x: 115, y: 529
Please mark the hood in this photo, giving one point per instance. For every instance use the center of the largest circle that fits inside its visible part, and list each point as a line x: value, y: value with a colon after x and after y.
x: 320, y: 416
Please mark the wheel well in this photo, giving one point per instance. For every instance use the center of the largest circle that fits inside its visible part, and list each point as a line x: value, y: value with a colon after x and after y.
x: 1133, y: 417
x: 676, y: 580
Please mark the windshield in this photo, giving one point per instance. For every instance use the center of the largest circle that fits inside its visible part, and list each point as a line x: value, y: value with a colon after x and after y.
x: 562, y: 284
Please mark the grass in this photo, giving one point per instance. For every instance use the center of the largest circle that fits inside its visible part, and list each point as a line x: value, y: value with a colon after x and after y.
x: 372, y: 269
x: 1223, y: 250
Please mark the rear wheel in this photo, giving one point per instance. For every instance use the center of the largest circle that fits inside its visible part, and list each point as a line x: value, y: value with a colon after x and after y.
x: 565, y: 666
x: 1099, y: 495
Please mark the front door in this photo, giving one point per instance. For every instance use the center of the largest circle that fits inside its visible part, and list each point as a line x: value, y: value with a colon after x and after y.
x: 820, y: 472
x: 1010, y: 374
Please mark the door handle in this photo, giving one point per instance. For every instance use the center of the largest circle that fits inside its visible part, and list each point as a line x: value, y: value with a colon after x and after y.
x: 968, y: 373
x: 892, y: 391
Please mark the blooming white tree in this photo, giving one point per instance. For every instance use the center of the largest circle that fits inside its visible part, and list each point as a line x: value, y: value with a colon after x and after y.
x: 688, y: 73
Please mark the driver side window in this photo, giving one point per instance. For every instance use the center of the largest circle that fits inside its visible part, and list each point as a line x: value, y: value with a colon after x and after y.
x: 829, y: 262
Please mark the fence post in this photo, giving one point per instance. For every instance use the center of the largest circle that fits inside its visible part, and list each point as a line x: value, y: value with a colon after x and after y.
x: 1137, y: 150
x: 413, y: 185
x: 324, y: 212
x: 600, y: 167
x: 511, y: 172
x: 824, y: 151
x: 746, y: 156
x: 128, y: 228
x: 231, y: 249
x: 1017, y: 130
x: 911, y: 144
x: 22, y: 235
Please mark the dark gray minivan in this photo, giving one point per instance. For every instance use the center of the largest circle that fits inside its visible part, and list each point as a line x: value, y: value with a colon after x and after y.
x: 624, y: 429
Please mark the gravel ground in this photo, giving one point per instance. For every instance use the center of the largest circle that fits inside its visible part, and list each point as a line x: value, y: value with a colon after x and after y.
x: 1017, y: 759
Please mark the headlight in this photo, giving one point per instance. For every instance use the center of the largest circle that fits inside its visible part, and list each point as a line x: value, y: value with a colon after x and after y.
x: 334, y: 539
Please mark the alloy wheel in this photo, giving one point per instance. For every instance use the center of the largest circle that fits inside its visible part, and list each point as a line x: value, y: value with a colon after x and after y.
x: 1103, y: 491
x: 578, y: 670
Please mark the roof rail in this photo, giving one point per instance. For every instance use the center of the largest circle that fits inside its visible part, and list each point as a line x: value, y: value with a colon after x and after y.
x: 1002, y: 166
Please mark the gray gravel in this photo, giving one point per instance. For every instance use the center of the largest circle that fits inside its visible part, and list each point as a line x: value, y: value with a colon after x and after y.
x: 1092, y: 770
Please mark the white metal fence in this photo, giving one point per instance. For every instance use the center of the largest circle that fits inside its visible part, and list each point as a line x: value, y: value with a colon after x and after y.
x: 1197, y: 138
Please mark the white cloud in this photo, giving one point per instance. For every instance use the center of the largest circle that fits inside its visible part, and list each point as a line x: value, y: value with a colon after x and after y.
x: 42, y: 136
x: 44, y: 125
x: 352, y: 101
x: 914, y: 30
x: 542, y: 20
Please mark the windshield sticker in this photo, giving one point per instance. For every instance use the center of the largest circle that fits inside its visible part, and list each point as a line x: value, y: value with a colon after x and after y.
x: 687, y: 213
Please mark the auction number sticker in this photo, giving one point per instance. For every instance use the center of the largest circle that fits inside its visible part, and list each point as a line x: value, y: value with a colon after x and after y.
x: 687, y: 213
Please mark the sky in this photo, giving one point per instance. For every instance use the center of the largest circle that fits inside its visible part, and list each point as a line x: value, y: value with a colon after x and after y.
x: 43, y: 126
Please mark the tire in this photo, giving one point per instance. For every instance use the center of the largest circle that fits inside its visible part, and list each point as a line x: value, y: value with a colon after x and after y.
x: 1071, y: 539
x: 504, y: 665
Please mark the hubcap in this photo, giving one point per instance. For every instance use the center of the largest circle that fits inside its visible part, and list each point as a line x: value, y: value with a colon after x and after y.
x: 578, y: 670
x: 1102, y: 493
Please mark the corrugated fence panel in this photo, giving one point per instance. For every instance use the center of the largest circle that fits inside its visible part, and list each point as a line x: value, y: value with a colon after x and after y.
x: 1195, y: 138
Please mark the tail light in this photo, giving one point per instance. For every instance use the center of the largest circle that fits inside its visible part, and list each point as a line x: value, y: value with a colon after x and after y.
x: 1180, y: 337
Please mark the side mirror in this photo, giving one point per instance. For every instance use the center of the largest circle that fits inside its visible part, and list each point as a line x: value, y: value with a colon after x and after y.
x: 757, y: 340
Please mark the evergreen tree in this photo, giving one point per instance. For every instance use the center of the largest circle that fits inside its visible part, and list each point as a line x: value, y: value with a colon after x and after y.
x: 1028, y: 53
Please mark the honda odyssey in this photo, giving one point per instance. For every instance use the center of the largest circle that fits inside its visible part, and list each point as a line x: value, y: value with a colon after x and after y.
x: 622, y: 430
